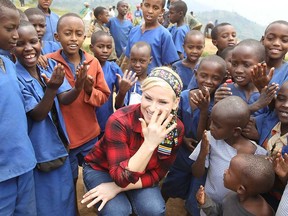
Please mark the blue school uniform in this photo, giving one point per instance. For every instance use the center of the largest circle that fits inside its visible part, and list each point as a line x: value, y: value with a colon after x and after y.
x: 178, y: 35
x: 179, y: 181
x: 120, y: 31
x: 48, y: 146
x: 163, y: 50
x: 254, y: 97
x: 49, y: 47
x: 280, y: 74
x: 17, y: 157
x: 185, y: 73
x: 110, y: 70
x: 134, y: 89
x: 51, y: 25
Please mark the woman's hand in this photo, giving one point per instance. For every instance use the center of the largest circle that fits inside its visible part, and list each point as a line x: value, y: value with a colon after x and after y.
x: 103, y: 192
x: 155, y: 132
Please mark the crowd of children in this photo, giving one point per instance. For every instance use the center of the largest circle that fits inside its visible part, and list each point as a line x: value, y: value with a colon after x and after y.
x: 221, y: 119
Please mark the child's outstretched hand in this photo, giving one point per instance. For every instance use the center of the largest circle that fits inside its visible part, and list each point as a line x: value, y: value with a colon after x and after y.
x: 259, y: 77
x: 57, y: 78
x: 43, y: 61
x: 127, y: 81
x: 222, y: 92
x: 280, y: 164
x: 205, y: 146
x: 81, y: 76
x: 201, y: 98
x: 201, y: 195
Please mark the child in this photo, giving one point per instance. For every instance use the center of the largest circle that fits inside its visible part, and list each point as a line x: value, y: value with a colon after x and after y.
x: 120, y: 27
x: 163, y: 50
x: 130, y: 87
x: 46, y: 124
x: 80, y: 117
x: 249, y: 176
x: 225, y: 140
x: 37, y: 18
x: 101, y: 47
x: 226, y: 54
x: 177, y: 12
x: 194, y: 44
x: 245, y: 55
x: 179, y: 181
x: 17, y: 158
x: 101, y: 15
x: 51, y: 19
x: 223, y: 35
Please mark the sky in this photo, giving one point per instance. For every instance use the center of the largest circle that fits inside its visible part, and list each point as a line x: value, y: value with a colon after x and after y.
x: 259, y: 11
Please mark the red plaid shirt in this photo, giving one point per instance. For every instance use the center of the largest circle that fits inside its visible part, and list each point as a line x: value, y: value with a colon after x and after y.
x: 122, y: 138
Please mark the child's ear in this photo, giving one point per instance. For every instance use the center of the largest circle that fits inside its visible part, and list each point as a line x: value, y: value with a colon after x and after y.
x: 150, y: 59
x: 241, y: 189
x: 262, y: 39
x: 214, y: 42
x: 56, y: 36
x: 90, y: 47
x: 237, y: 131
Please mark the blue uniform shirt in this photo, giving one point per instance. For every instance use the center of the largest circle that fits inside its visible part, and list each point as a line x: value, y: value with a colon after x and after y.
x: 163, y: 50
x: 51, y: 26
x: 110, y: 70
x: 178, y: 35
x: 43, y: 134
x: 16, y: 152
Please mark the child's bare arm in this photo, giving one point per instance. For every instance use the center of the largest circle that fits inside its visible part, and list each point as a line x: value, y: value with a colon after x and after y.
x: 209, y: 207
x: 259, y: 77
x: 250, y: 131
x: 42, y: 109
x: 71, y: 95
x: 125, y: 83
x: 198, y: 167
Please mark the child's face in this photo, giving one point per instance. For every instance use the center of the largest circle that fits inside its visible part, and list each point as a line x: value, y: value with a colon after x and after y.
x: 226, y: 37
x: 243, y: 59
x: 193, y: 47
x: 104, y: 16
x: 209, y: 75
x: 174, y: 16
x: 281, y: 104
x: 71, y: 34
x: 151, y: 10
x: 123, y: 8
x: 232, y: 176
x: 28, y: 47
x: 160, y: 18
x: 228, y: 60
x: 9, y: 22
x: 45, y: 4
x: 276, y: 41
x: 139, y: 60
x: 39, y: 24
x: 102, y: 48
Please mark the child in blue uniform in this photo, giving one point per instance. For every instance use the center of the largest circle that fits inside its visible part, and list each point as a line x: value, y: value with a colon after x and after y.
x: 194, y: 44
x: 120, y: 27
x: 17, y: 158
x: 102, y: 46
x: 53, y: 176
x: 37, y: 18
x: 177, y: 12
x: 163, y: 50
x: 194, y: 115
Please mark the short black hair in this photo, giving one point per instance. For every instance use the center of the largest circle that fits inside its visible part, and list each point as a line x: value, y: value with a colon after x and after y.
x: 6, y: 4
x: 276, y: 22
x: 140, y: 44
x: 24, y: 23
x: 257, y: 46
x: 180, y: 6
x: 98, y: 11
x: 98, y: 34
x: 214, y: 58
x: 215, y: 30
x: 192, y: 33
x: 68, y: 15
x: 226, y: 51
x: 34, y: 11
x: 163, y: 3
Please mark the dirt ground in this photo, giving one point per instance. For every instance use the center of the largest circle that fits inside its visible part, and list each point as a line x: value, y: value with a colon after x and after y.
x: 175, y: 207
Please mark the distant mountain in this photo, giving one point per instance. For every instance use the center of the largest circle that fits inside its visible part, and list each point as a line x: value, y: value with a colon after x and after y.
x: 245, y: 28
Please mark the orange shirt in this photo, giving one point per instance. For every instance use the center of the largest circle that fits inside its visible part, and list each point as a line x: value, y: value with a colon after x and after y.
x: 79, y: 116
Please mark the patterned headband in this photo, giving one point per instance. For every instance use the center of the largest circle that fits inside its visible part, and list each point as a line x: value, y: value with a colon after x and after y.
x: 169, y: 77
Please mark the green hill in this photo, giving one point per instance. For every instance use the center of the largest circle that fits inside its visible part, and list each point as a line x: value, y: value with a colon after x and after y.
x: 245, y: 28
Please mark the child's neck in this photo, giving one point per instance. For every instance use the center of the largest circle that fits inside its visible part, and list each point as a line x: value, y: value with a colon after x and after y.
x: 284, y: 129
x: 45, y: 11
x: 256, y: 205
x: 120, y: 17
x: 146, y: 26
x: 241, y: 144
x: 142, y: 77
x: 180, y: 22
x: 99, y: 22
x: 74, y: 58
x: 186, y: 62
x: 249, y: 89
x: 276, y: 63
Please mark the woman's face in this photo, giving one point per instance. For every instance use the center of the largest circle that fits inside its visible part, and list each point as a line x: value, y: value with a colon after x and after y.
x: 157, y: 97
